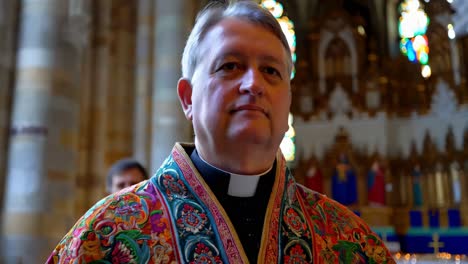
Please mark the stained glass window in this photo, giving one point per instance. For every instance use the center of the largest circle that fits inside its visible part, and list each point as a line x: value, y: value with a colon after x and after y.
x: 288, y: 145
x: 412, y: 28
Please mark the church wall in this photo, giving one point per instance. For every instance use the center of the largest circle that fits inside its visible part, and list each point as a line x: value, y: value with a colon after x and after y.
x: 42, y: 153
x: 143, y: 80
x: 8, y: 34
x: 107, y: 98
x: 452, y: 54
x: 168, y: 124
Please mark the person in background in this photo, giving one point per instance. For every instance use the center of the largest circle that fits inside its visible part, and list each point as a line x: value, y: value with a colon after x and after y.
x: 229, y: 197
x: 124, y: 173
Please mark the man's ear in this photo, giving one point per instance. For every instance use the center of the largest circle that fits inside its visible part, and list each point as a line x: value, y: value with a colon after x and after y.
x: 184, y: 90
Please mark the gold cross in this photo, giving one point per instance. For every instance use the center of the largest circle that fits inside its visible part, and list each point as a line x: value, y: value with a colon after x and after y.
x: 436, y: 244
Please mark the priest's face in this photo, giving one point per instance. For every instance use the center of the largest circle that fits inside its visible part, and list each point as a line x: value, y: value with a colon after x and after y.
x: 240, y: 91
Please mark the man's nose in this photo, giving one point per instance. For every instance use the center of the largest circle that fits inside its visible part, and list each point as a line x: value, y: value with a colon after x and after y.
x: 252, y: 82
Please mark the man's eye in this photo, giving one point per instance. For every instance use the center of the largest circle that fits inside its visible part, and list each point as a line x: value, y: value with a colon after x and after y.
x: 230, y: 66
x: 272, y: 71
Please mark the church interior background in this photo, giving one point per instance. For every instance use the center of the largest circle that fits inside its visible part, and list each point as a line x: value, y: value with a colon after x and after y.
x: 379, y: 119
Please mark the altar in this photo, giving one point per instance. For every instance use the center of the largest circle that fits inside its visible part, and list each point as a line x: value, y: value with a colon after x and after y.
x: 379, y: 135
x: 435, y: 224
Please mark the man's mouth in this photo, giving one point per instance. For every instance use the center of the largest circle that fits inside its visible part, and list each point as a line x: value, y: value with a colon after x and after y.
x: 250, y: 107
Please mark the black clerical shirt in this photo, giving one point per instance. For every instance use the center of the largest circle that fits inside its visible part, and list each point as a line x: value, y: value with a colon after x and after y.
x: 246, y: 213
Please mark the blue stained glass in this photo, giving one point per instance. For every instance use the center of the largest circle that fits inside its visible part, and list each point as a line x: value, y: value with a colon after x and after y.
x: 411, y: 54
x: 410, y: 51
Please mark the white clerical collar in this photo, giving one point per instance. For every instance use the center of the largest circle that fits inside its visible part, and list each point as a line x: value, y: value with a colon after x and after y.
x: 241, y: 185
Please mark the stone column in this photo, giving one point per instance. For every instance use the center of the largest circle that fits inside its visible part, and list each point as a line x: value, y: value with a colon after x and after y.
x: 95, y: 106
x: 120, y: 82
x: 392, y: 28
x: 144, y: 79
x: 8, y: 29
x: 107, y: 97
x: 172, y: 24
x: 38, y: 206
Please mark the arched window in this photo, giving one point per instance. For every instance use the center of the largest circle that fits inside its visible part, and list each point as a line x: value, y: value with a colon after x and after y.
x: 412, y: 29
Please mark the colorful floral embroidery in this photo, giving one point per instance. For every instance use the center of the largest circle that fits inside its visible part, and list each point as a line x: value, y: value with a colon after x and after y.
x: 121, y: 228
x: 226, y: 235
x: 163, y: 220
x: 374, y: 250
x: 295, y: 221
x: 296, y: 235
x: 174, y: 186
x: 340, y: 235
x: 296, y: 255
x: 191, y: 220
x: 203, y: 255
x: 270, y: 251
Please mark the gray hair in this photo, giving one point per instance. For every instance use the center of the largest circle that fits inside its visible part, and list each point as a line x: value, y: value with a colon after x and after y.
x: 215, y: 13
